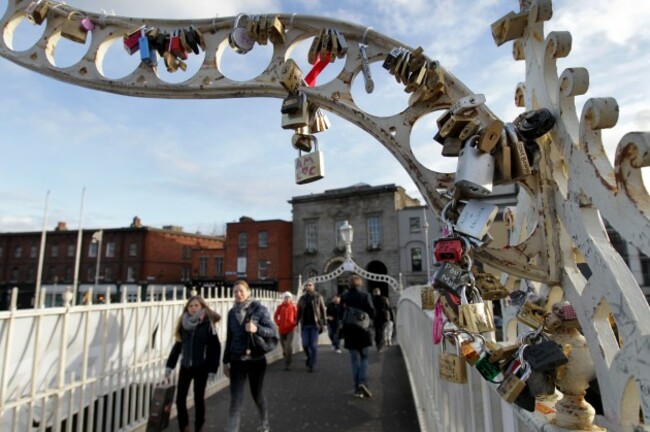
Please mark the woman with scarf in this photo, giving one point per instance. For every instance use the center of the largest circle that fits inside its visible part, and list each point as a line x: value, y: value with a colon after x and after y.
x: 199, y: 348
x: 246, y: 317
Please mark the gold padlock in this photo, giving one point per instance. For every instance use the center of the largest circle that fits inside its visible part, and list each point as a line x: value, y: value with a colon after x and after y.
x: 428, y: 297
x: 452, y: 367
x: 72, y: 29
x: 531, y: 315
x: 474, y: 317
x: 489, y: 285
x: 512, y: 385
x: 36, y: 12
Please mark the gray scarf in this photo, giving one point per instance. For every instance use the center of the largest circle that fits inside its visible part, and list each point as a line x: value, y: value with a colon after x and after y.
x: 241, y: 309
x: 191, y: 321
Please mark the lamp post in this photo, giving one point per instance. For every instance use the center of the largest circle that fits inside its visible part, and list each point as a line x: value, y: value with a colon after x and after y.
x: 426, y: 244
x: 97, y: 238
x: 347, y: 234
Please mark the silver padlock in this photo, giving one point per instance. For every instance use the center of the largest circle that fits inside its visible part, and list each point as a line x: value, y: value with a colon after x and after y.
x: 476, y: 218
x: 238, y: 38
x: 310, y: 166
x: 475, y: 169
x: 295, y: 111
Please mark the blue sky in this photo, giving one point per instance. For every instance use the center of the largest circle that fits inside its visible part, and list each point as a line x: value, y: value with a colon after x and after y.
x: 202, y: 163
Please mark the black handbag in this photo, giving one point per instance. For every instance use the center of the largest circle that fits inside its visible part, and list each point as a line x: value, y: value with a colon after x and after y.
x: 261, y: 345
x: 356, y: 317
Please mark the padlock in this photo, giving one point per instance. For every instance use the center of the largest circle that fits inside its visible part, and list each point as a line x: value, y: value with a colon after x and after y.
x: 319, y: 121
x: 302, y: 140
x: 147, y: 54
x: 72, y: 29
x: 290, y: 76
x: 471, y: 352
x: 475, y: 169
x: 512, y: 385
x: 428, y: 298
x: 544, y: 356
x: 490, y: 135
x: 535, y: 124
x: 520, y: 163
x: 502, y: 160
x: 36, y: 11
x: 489, y: 285
x: 531, y: 314
x: 449, y: 275
x: 452, y: 367
x: 239, y: 39
x: 176, y: 46
x: 310, y: 166
x: 503, y: 352
x: 475, y: 218
x: 448, y: 249
x: 276, y: 31
x: 467, y: 104
x: 295, y: 111
x: 474, y: 317
x: 541, y: 384
x: 488, y: 370
x: 132, y: 40
x: 450, y: 302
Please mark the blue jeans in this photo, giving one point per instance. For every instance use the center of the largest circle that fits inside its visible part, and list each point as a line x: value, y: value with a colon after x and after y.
x: 333, y: 333
x: 309, y: 334
x: 254, y: 370
x: 359, y: 361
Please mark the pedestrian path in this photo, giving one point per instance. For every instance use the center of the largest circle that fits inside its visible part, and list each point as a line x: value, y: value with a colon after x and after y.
x: 323, y: 401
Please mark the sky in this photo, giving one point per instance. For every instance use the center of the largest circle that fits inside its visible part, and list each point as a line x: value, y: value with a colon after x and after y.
x: 200, y: 164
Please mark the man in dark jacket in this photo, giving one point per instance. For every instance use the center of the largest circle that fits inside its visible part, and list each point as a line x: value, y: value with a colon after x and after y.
x: 311, y: 316
x: 357, y: 339
x: 333, y: 315
x: 382, y: 316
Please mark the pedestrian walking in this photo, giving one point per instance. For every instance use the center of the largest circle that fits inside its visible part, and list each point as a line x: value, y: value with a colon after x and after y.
x: 198, y: 346
x: 334, y: 311
x: 247, y: 316
x: 382, y: 318
x: 285, y: 318
x: 311, y: 316
x: 358, y: 339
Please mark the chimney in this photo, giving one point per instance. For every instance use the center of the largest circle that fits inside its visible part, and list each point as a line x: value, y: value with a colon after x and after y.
x: 136, y: 223
x: 61, y: 226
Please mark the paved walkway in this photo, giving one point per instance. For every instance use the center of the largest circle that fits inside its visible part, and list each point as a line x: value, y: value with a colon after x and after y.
x: 322, y: 401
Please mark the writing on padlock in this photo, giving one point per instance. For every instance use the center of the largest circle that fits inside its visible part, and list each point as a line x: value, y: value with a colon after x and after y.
x: 310, y: 166
x: 489, y: 285
x: 449, y: 275
x: 474, y: 316
x: 531, y: 314
x: 452, y: 366
x: 475, y: 218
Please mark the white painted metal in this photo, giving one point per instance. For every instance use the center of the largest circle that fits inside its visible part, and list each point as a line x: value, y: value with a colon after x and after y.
x: 561, y: 218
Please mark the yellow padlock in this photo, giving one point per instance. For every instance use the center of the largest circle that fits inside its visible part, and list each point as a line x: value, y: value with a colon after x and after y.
x: 73, y: 30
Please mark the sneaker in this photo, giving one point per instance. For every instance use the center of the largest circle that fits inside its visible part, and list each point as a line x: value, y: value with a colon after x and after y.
x: 358, y: 394
x: 338, y: 351
x: 364, y: 390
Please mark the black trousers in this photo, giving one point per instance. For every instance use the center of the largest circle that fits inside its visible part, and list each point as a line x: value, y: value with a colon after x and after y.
x: 254, y: 371
x: 200, y: 377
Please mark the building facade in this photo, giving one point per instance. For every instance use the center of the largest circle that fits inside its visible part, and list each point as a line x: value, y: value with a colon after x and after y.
x: 371, y: 211
x: 417, y: 227
x: 137, y: 255
x: 259, y: 252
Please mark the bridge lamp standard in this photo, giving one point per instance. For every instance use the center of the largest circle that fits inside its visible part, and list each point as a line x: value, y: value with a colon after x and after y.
x: 347, y: 234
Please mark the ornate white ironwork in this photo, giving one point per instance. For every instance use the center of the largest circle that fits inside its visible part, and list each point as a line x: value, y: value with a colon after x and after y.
x: 558, y: 221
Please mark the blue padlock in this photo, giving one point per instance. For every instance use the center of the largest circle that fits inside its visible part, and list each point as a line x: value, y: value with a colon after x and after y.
x: 147, y: 55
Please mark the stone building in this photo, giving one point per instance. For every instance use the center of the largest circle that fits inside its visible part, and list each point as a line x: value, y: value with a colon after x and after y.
x: 372, y: 212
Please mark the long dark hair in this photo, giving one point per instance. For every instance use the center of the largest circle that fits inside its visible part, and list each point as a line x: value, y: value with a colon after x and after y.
x: 212, y: 315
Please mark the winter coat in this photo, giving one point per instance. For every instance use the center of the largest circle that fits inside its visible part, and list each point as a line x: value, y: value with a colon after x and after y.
x: 318, y: 306
x: 238, y: 339
x: 286, y: 317
x: 356, y: 338
x: 382, y: 310
x: 334, y: 310
x: 198, y: 348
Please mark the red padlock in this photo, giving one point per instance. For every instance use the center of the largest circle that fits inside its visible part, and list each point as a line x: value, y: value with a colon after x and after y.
x: 131, y: 41
x: 448, y: 249
x: 176, y: 47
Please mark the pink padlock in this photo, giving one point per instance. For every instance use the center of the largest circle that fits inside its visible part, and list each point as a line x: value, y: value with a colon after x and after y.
x: 87, y: 24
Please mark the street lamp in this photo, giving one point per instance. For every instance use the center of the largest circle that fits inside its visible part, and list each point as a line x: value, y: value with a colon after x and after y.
x: 347, y: 233
x: 97, y: 238
x: 426, y: 241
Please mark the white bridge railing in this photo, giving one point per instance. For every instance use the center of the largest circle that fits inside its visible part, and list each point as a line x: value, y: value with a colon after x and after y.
x: 91, y: 367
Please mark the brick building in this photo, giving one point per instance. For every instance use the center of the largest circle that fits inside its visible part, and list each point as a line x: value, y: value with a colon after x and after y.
x: 260, y: 252
x: 135, y: 255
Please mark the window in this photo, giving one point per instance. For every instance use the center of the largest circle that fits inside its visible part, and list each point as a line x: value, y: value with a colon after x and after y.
x: 185, y: 274
x: 71, y: 250
x: 186, y: 252
x: 54, y: 251
x: 241, y: 266
x: 110, y: 249
x: 218, y: 266
x: 262, y: 267
x: 416, y: 259
x: 133, y: 249
x: 338, y: 240
x: 51, y: 274
x: 18, y: 251
x: 92, y: 250
x: 108, y: 273
x: 68, y: 274
x: 203, y: 266
x: 90, y: 274
x: 15, y: 273
x: 311, y: 237
x: 374, y: 232
x: 263, y: 239
x: 31, y: 272
x: 242, y: 241
x: 130, y: 274
x: 33, y: 251
x: 414, y: 224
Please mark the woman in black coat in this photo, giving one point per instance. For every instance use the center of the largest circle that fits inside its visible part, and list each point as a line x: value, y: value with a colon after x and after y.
x: 198, y: 346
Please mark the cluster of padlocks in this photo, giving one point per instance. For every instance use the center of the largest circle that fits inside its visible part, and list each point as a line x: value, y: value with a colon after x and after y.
x: 174, y: 47
x: 76, y: 27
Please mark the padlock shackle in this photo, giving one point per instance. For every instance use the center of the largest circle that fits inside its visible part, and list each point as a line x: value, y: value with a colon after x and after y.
x: 237, y: 18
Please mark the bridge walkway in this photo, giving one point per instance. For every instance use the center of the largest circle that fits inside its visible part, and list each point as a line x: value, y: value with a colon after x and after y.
x: 323, y: 401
